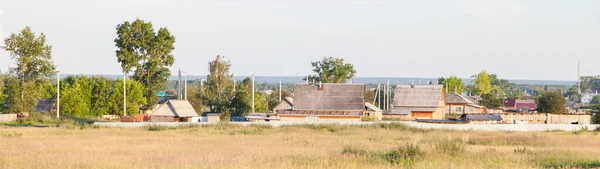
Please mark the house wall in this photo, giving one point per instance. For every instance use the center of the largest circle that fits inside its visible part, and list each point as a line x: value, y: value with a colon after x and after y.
x: 398, y: 117
x: 515, y: 118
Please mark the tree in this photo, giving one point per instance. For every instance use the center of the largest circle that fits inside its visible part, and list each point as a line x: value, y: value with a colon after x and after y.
x: 218, y: 88
x: 75, y: 96
x: 332, y: 70
x: 551, y: 102
x: 101, y: 90
x: 135, y: 98
x: 482, y: 83
x: 1, y: 92
x: 596, y: 114
x: 33, y: 63
x: 149, y: 53
x: 595, y: 100
x: 242, y: 102
x: 453, y: 84
x: 491, y: 101
x: 573, y: 94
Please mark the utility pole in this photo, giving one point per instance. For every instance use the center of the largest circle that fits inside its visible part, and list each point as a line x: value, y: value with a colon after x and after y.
x: 124, y: 94
x: 579, y: 77
x: 179, y: 92
x: 376, y: 94
x: 185, y: 88
x: 252, y: 92
x: 279, y: 90
x: 388, y: 95
x: 384, y: 96
x: 57, y: 94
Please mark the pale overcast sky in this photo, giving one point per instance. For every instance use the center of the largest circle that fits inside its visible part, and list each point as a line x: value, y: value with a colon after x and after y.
x: 534, y: 39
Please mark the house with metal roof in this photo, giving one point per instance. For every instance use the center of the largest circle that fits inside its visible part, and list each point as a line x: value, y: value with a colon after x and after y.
x: 173, y: 110
x: 459, y: 104
x: 520, y: 105
x: 326, y: 102
x: 419, y: 102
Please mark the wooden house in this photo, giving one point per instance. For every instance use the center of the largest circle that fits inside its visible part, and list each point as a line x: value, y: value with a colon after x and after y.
x: 419, y: 102
x: 173, y: 110
x: 459, y: 104
x: 326, y: 102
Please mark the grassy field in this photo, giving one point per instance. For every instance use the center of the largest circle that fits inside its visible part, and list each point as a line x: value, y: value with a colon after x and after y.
x: 316, y: 146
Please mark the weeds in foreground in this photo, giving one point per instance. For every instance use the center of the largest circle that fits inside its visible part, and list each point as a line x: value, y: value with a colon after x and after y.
x: 450, y: 147
x: 404, y: 155
x: 10, y: 134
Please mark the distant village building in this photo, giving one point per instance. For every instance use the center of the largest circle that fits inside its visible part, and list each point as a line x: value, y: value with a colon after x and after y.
x: 520, y: 105
x: 285, y: 104
x: 459, y: 104
x: 173, y: 110
x: 45, y: 105
x: 326, y: 102
x: 211, y: 117
x: 419, y: 102
x: 587, y: 97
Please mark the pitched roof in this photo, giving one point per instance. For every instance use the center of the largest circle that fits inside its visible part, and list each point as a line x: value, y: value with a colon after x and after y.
x: 418, y: 95
x: 454, y: 98
x: 329, y: 96
x: 319, y: 112
x: 175, y: 108
x: 478, y: 117
x: 286, y: 104
x: 510, y: 102
x: 372, y: 107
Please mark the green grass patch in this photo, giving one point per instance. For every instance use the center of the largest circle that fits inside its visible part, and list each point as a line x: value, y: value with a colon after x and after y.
x: 557, y: 163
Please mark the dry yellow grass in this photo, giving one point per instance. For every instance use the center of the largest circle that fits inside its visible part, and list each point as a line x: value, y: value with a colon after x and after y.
x: 228, y: 146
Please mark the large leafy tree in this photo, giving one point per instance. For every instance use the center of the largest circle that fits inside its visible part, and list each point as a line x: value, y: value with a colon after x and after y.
x: 332, y: 70
x: 242, y: 102
x: 147, y: 53
x: 218, y: 88
x: 551, y: 102
x: 490, y: 100
x: 482, y: 83
x: 453, y: 84
x: 33, y: 60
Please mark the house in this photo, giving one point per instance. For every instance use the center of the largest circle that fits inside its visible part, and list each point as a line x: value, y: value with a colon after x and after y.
x: 173, y: 110
x: 211, y: 117
x: 588, y: 97
x: 325, y: 102
x: 285, y: 104
x: 482, y: 118
x: 459, y: 104
x: 419, y: 102
x: 520, y: 105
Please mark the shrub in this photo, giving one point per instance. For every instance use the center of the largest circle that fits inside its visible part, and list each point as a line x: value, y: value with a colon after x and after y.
x: 405, y: 155
x: 450, y: 147
x: 354, y: 151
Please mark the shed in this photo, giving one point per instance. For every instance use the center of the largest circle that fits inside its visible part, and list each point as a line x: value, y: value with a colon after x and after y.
x: 173, y: 110
x: 211, y: 117
x: 419, y: 101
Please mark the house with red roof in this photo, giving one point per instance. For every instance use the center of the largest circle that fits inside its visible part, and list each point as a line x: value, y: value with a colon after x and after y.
x: 520, y: 105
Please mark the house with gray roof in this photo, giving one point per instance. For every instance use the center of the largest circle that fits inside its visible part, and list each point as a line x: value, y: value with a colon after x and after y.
x: 326, y: 102
x: 419, y: 102
x: 459, y: 104
x: 173, y: 110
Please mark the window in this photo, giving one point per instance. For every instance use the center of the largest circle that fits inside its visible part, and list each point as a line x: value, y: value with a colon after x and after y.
x: 458, y: 109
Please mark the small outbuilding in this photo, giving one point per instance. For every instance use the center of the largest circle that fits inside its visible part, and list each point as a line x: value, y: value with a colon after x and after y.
x: 173, y: 110
x: 459, y: 104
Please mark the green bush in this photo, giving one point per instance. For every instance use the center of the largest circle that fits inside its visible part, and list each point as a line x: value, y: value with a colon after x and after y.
x: 557, y: 163
x: 450, y: 147
x: 405, y: 155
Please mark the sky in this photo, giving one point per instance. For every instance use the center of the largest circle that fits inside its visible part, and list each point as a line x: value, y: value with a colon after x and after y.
x: 533, y: 39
